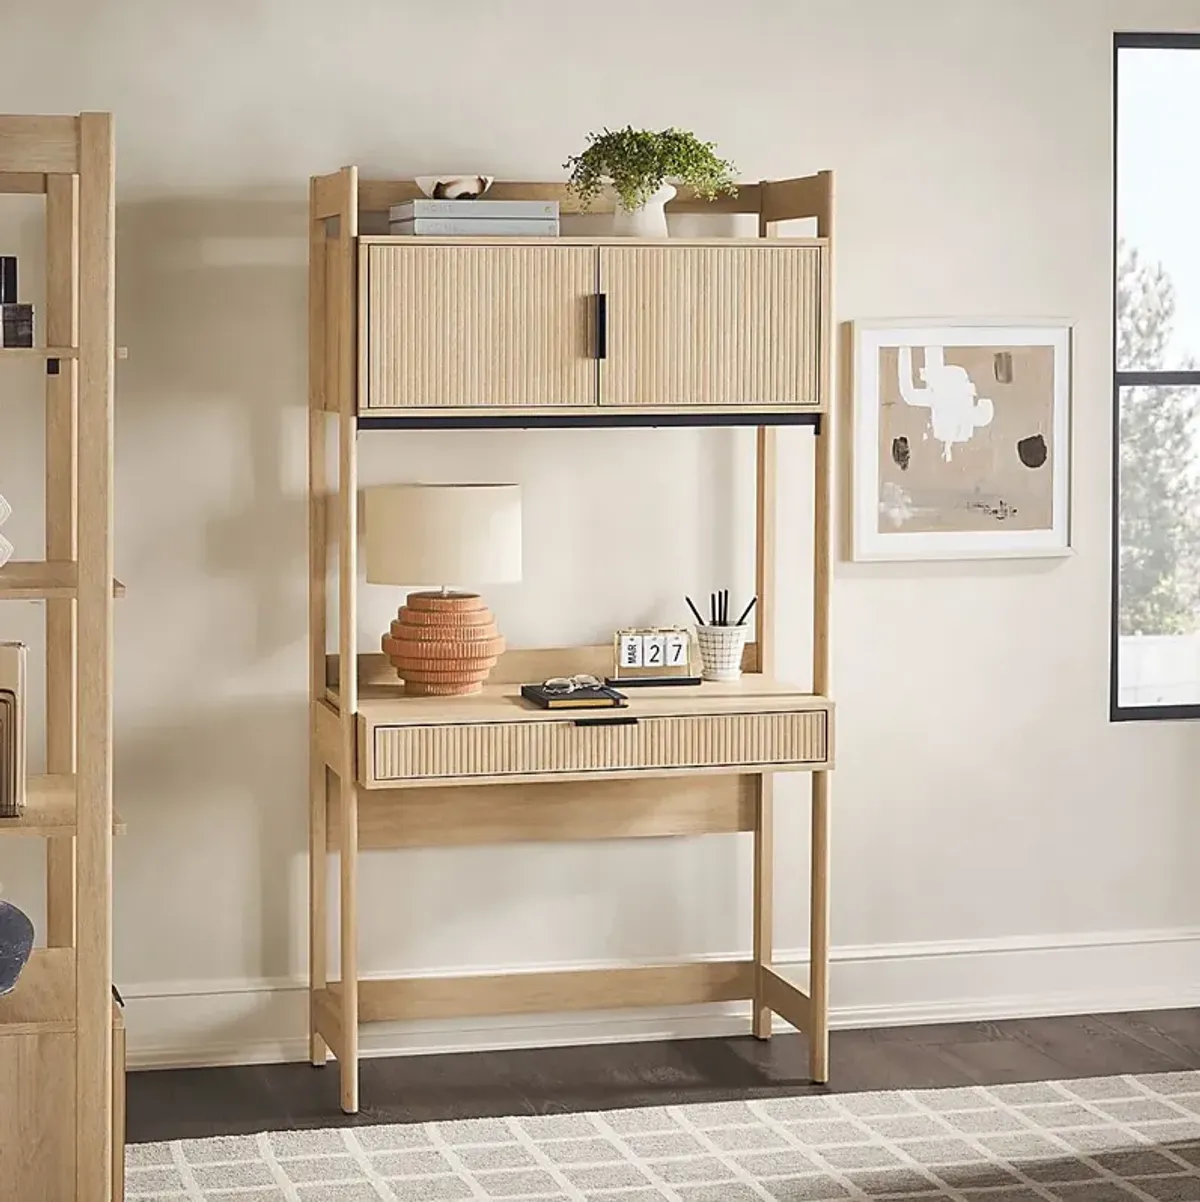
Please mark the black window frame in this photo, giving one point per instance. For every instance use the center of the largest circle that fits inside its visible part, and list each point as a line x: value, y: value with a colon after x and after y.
x: 1132, y: 379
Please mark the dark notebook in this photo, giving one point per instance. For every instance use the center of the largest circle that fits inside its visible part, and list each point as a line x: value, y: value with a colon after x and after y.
x: 601, y: 698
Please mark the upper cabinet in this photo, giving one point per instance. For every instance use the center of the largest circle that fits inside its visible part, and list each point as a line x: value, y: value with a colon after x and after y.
x: 586, y: 325
x: 454, y: 326
x: 728, y: 326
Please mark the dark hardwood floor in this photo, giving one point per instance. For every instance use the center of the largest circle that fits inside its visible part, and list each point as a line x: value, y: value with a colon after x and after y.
x: 191, y: 1103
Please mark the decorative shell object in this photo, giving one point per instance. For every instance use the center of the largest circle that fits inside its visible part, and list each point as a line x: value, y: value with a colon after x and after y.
x: 454, y: 187
x: 6, y: 548
x: 16, y: 944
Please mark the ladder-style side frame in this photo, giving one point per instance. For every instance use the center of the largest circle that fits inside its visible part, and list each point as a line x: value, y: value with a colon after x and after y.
x: 94, y: 655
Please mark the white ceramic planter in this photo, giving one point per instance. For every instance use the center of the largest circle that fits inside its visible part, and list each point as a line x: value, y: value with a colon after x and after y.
x: 650, y: 221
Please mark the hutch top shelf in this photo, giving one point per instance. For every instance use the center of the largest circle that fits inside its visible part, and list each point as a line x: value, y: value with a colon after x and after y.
x: 418, y: 332
x: 769, y: 200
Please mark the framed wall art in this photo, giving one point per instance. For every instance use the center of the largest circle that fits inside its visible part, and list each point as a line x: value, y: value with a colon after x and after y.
x: 961, y: 439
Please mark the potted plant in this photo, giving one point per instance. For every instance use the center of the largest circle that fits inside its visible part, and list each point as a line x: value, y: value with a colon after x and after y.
x: 643, y: 168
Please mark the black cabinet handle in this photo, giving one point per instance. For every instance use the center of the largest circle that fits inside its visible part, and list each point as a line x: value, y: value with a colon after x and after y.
x: 626, y: 721
x: 601, y: 325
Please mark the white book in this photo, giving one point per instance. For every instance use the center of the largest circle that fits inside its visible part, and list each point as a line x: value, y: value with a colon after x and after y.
x: 434, y: 227
x: 477, y: 209
x: 12, y: 729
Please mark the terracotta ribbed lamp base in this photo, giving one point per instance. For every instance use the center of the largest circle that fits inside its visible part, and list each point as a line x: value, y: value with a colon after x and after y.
x: 443, y: 644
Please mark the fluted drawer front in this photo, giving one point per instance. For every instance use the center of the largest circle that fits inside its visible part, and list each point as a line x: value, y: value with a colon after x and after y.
x: 519, y: 748
x: 712, y: 325
x: 479, y: 326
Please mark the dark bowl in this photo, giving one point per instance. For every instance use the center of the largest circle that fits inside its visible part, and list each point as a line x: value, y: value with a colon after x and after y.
x: 16, y: 943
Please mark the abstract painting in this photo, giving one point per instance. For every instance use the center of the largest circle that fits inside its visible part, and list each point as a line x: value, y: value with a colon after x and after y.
x: 961, y: 437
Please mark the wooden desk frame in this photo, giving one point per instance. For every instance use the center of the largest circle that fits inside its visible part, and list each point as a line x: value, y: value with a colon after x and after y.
x: 348, y: 818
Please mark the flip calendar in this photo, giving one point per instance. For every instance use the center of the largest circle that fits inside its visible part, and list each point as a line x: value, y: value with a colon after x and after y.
x: 651, y: 652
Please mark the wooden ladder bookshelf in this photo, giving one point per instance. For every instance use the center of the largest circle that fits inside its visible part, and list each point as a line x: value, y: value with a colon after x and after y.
x: 61, y: 1036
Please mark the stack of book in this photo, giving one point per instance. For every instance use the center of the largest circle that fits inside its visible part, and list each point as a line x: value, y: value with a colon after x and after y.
x: 476, y: 218
x: 12, y: 729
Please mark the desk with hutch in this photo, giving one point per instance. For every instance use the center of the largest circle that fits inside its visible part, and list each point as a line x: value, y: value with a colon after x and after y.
x: 417, y: 333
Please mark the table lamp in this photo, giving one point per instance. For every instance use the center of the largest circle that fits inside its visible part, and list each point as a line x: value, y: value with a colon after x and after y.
x: 443, y: 643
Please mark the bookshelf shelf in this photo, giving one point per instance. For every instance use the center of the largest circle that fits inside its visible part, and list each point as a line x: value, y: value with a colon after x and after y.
x: 50, y: 810
x: 37, y: 580
x: 39, y: 352
x: 70, y: 353
x: 44, y: 999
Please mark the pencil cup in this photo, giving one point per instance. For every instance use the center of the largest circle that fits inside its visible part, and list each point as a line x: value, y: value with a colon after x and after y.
x: 721, y: 651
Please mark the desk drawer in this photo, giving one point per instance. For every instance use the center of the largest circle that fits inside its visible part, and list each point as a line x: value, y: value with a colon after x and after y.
x: 603, y: 745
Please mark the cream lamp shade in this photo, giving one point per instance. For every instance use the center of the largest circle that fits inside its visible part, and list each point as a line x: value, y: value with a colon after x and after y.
x: 443, y: 534
x: 443, y: 644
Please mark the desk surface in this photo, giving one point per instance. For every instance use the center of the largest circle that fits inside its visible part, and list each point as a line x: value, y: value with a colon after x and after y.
x: 381, y: 705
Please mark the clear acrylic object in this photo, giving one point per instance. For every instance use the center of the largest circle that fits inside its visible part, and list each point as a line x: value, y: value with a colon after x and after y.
x: 6, y: 548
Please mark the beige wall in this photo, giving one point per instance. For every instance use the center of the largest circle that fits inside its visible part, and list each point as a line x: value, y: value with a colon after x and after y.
x: 1000, y: 848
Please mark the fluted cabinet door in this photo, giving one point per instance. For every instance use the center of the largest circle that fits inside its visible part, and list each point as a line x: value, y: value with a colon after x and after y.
x: 453, y: 326
x: 713, y: 325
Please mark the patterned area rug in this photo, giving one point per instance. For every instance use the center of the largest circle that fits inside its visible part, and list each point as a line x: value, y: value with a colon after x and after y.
x: 1104, y: 1139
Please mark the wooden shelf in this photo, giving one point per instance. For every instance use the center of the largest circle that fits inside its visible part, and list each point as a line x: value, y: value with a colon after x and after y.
x: 49, y: 810
x: 39, y: 352
x: 35, y: 580
x: 50, y: 352
x: 44, y: 999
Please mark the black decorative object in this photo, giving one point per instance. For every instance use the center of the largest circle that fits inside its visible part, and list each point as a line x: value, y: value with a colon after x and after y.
x: 17, y: 329
x: 16, y: 320
x: 16, y: 944
x: 563, y: 693
x: 8, y: 279
x: 651, y: 682
x: 1032, y: 451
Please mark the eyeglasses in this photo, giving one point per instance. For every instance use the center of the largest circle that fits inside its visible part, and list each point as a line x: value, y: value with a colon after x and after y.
x: 569, y: 684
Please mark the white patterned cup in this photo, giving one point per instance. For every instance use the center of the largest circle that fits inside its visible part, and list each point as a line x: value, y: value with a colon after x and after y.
x: 721, y: 650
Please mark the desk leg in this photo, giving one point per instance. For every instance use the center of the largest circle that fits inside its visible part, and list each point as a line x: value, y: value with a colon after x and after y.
x: 348, y: 855
x: 818, y: 979
x: 764, y: 898
x: 318, y: 898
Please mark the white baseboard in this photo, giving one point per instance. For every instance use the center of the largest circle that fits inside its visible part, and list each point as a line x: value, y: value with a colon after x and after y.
x: 194, y: 1023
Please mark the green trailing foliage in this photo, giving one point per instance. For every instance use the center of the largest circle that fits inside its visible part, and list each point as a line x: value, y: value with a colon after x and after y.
x: 637, y: 162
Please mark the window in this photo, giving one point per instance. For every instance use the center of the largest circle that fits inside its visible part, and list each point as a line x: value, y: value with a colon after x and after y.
x: 1156, y: 380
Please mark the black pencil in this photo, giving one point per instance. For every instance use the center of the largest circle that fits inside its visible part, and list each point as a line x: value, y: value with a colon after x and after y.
x: 712, y: 609
x: 724, y: 607
x: 746, y: 611
x: 695, y: 611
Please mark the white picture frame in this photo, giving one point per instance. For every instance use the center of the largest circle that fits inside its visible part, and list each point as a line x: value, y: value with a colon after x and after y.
x: 960, y: 513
